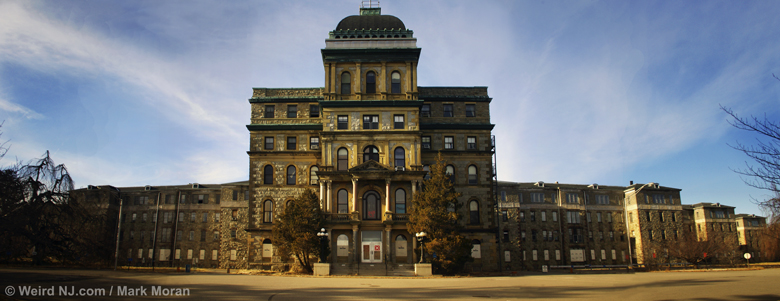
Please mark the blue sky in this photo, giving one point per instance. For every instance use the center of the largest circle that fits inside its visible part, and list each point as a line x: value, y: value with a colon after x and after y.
x: 155, y: 92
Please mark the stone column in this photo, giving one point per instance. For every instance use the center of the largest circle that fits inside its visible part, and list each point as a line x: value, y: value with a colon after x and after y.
x: 328, y: 198
x: 387, y: 195
x: 331, y: 241
x: 414, y: 188
x: 355, y: 248
x: 354, y: 194
x: 322, y: 195
x: 388, y: 254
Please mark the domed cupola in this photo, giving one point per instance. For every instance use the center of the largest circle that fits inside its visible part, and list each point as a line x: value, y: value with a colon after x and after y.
x: 371, y: 24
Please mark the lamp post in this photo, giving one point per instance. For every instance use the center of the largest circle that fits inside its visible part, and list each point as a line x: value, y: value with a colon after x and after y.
x: 323, y: 244
x: 421, y: 238
x: 625, y: 218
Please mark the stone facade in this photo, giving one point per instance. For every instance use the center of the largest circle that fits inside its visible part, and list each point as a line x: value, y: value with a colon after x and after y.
x: 749, y: 231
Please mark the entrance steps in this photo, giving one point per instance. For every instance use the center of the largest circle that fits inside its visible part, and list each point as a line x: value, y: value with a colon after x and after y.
x: 372, y: 269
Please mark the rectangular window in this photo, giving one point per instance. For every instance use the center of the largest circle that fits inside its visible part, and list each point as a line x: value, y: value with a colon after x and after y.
x: 521, y: 215
x: 658, y: 199
x: 470, y: 110
x: 602, y: 199
x: 134, y: 216
x: 314, y: 111
x: 213, y: 254
x: 143, y: 217
x: 598, y: 217
x: 292, y: 143
x: 216, y: 217
x: 572, y: 198
x: 426, y: 142
x: 555, y: 216
x: 533, y: 216
x: 269, y: 143
x: 202, y: 199
x: 370, y: 122
x: 537, y: 197
x: 217, y: 198
x: 573, y: 217
x: 235, y: 195
x: 534, y: 255
x: 192, y: 235
x: 449, y: 142
x: 292, y: 111
x: 398, y: 122
x: 205, y: 217
x: 189, y: 254
x: 246, y: 195
x: 269, y: 112
x: 216, y: 235
x: 425, y: 111
x: 202, y: 235
x: 193, y: 216
x: 471, y: 142
x: 178, y: 235
x: 557, y: 254
x: 343, y: 122
x: 504, y: 215
x: 448, y: 110
x: 544, y: 216
x: 314, y: 143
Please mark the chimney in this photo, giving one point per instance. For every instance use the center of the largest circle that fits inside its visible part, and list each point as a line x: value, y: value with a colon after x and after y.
x: 631, y: 183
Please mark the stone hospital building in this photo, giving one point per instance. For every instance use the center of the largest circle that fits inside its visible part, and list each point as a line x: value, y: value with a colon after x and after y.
x: 363, y: 142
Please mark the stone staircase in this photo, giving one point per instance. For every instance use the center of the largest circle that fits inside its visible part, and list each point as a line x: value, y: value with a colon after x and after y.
x: 372, y: 269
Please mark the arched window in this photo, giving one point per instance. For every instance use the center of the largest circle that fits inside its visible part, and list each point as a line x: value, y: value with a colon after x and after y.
x: 395, y: 82
x: 313, y: 178
x: 345, y: 83
x: 399, y: 157
x: 370, y: 82
x: 400, y: 201
x: 476, y: 249
x: 370, y: 153
x: 449, y: 170
x: 343, y: 205
x: 268, y: 175
x: 342, y: 245
x: 343, y: 159
x: 291, y: 175
x: 472, y: 175
x: 288, y: 204
x: 371, y: 205
x: 474, y: 213
x: 268, y: 211
x: 400, y: 246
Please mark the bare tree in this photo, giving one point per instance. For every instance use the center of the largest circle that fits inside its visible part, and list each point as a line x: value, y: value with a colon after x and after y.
x: 764, y: 172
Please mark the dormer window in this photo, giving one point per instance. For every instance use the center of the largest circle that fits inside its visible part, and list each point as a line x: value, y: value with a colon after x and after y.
x: 395, y: 82
x: 370, y: 82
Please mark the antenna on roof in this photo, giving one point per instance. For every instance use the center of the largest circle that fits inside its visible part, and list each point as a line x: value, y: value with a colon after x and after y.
x: 369, y: 8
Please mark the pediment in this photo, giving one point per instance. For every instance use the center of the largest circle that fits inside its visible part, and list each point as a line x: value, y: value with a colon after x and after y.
x: 370, y: 165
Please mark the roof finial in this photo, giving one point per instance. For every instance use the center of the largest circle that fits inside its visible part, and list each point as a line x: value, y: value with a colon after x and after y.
x: 372, y: 9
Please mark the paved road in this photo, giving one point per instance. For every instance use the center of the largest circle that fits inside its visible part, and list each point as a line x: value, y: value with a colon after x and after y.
x: 711, y: 285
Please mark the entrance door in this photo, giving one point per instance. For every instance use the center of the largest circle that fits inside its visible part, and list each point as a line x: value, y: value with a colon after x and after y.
x: 372, y: 251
